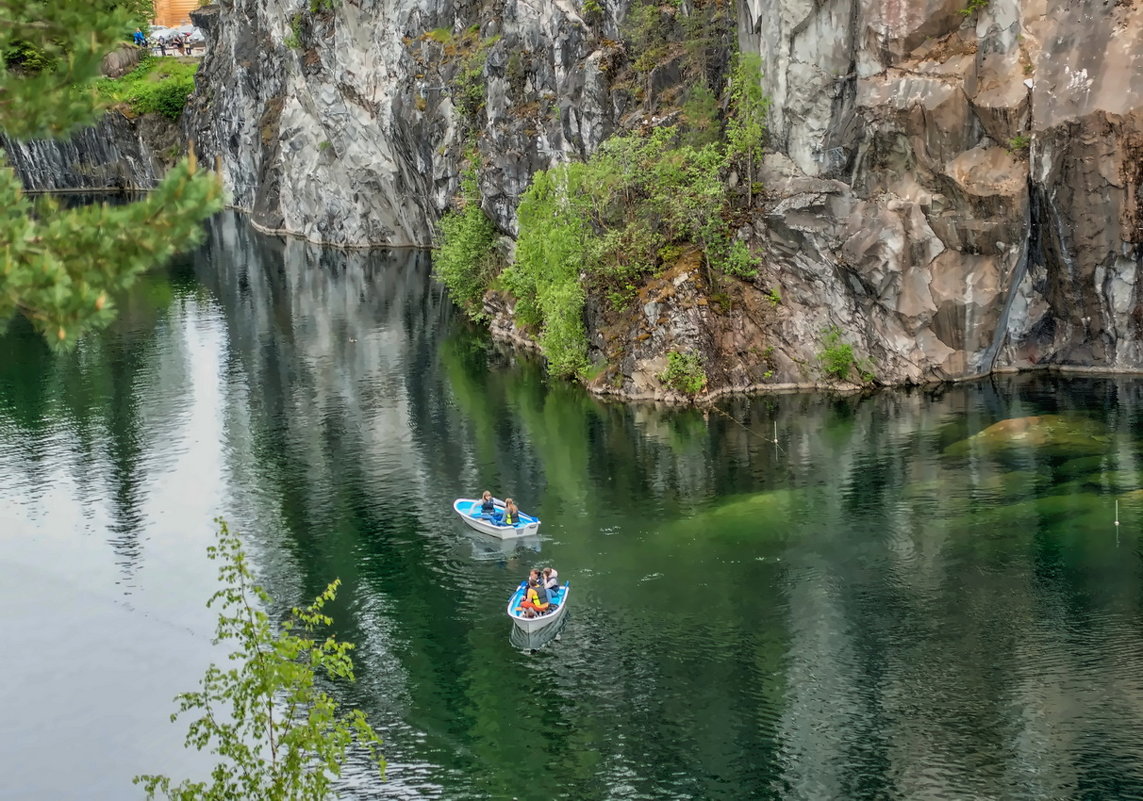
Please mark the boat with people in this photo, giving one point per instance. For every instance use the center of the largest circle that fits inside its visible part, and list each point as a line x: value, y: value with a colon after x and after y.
x: 498, y: 518
x: 557, y: 606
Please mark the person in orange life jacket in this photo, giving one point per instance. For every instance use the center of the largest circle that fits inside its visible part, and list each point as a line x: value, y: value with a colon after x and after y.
x: 534, y: 603
x: 487, y: 505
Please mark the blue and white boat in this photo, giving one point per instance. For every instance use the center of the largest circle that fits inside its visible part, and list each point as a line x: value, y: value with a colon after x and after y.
x: 558, y: 598
x: 471, y: 513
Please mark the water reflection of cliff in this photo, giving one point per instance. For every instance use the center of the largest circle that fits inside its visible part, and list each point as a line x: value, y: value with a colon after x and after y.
x: 104, y: 414
x: 879, y: 605
x: 904, y: 597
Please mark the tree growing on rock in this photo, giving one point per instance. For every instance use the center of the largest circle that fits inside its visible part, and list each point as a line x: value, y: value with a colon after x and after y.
x: 61, y: 268
x: 746, y: 120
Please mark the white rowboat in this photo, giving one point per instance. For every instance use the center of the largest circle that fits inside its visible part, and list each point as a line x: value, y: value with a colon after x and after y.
x: 471, y: 513
x: 558, y: 597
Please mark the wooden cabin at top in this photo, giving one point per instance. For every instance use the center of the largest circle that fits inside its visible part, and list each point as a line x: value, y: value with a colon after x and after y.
x: 171, y: 13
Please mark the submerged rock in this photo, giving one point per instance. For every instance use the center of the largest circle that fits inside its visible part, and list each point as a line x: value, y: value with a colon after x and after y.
x: 744, y: 517
x: 1080, y: 435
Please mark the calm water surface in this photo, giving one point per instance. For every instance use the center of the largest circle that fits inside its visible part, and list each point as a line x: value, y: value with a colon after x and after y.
x: 899, y: 600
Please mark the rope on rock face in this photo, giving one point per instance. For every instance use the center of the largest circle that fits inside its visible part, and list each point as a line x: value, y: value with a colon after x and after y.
x: 749, y: 430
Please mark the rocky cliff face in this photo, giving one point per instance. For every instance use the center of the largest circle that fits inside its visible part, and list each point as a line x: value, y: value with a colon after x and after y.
x: 959, y: 192
x: 114, y: 154
x: 953, y: 192
x: 347, y: 124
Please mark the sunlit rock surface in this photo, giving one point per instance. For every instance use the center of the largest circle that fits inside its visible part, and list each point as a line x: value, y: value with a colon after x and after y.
x: 957, y: 194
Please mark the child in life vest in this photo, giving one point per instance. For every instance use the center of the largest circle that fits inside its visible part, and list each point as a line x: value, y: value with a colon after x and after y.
x: 531, y: 605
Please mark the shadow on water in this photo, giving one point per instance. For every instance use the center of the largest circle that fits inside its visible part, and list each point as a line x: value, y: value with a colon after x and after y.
x: 900, y: 599
x: 486, y: 548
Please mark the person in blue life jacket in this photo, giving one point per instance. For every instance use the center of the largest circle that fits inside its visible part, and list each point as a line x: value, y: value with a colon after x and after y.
x: 487, y: 504
x: 139, y: 38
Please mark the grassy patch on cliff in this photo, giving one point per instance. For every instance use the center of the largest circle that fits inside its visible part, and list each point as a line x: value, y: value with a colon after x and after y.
x: 156, y: 86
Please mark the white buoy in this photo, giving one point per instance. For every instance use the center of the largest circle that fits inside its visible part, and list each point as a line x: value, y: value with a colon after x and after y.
x: 1116, y: 522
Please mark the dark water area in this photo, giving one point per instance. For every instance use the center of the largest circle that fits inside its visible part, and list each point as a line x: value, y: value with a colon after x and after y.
x: 915, y: 594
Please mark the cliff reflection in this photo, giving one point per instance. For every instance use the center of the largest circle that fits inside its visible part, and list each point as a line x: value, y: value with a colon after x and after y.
x: 860, y: 598
x: 891, y: 601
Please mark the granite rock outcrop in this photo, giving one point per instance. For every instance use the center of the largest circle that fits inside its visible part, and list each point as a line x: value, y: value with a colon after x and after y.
x: 955, y: 189
x: 951, y: 188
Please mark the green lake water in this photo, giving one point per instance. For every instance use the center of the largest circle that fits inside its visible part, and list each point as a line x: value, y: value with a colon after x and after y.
x: 905, y: 597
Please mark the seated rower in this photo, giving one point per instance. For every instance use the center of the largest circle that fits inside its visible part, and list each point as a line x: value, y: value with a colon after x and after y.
x: 511, y: 513
x: 551, y: 580
x: 487, y: 504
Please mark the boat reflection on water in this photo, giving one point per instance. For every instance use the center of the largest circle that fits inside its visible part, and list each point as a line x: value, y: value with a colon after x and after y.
x: 486, y: 548
x: 535, y: 640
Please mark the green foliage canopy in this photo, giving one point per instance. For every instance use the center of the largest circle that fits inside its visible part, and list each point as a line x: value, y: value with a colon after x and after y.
x: 71, y: 37
x: 280, y: 736
x: 60, y: 268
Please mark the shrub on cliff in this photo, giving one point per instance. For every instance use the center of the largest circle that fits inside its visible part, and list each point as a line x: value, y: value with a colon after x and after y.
x: 838, y: 359
x: 156, y: 86
x: 684, y: 373
x: 746, y: 119
x: 544, y: 279
x: 467, y: 261
x: 603, y: 225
